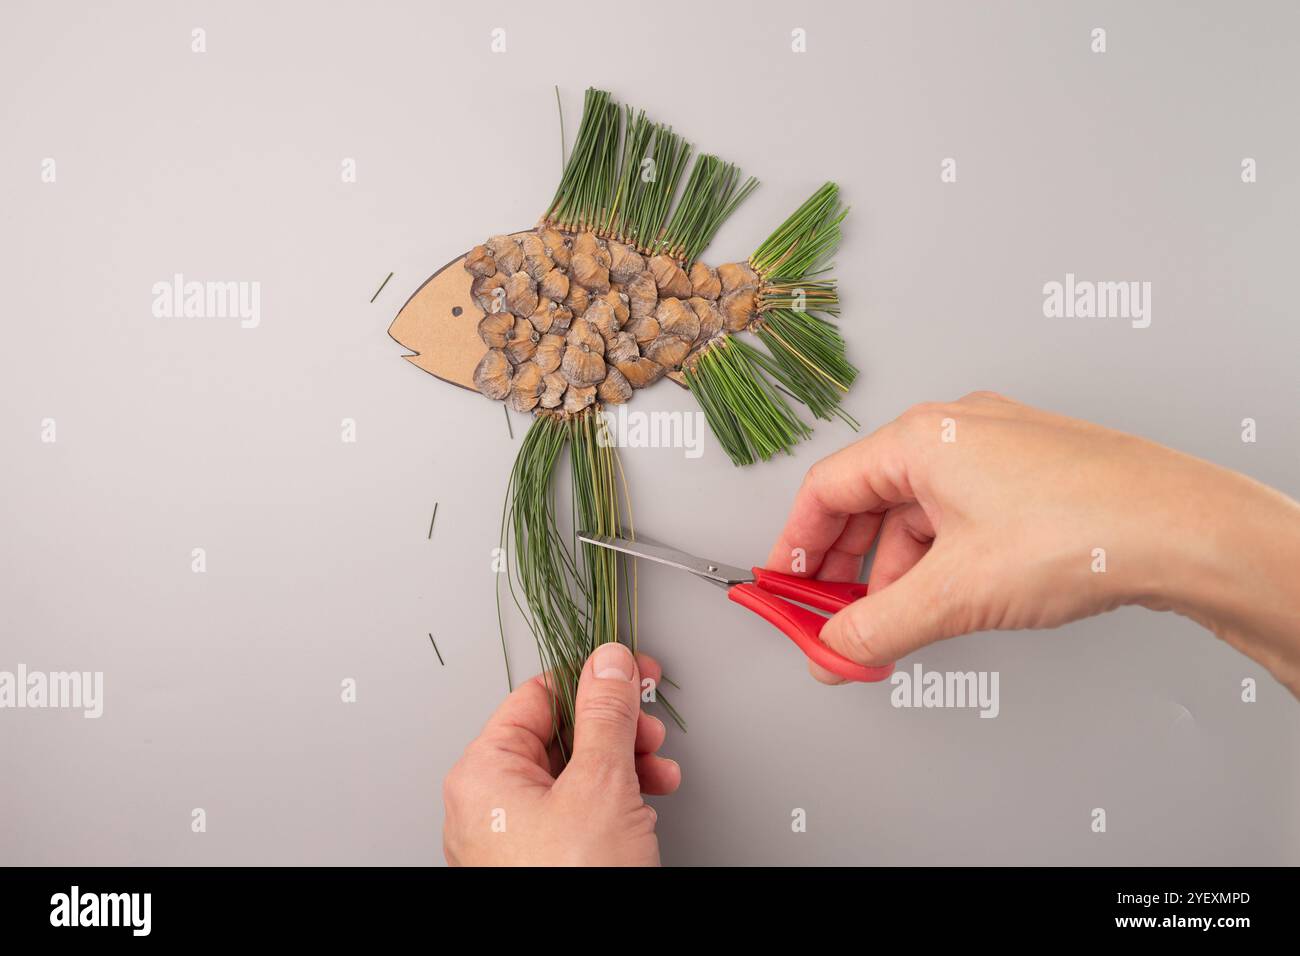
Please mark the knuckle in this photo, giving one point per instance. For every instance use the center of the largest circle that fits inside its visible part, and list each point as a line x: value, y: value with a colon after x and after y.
x: 914, y: 412
x: 857, y: 638
x: 984, y: 395
x: 953, y: 620
x: 600, y: 773
x: 462, y: 782
x: 616, y: 709
x: 641, y: 820
x: 598, y: 767
x: 959, y: 612
x: 972, y: 600
x: 924, y: 414
x: 816, y: 475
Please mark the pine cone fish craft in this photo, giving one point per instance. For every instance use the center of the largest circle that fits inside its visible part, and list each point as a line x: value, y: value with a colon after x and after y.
x: 605, y: 296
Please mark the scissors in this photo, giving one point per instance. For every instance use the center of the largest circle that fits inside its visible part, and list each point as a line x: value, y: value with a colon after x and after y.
x: 763, y: 591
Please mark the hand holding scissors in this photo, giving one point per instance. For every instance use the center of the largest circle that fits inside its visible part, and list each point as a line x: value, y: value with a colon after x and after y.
x: 764, y: 592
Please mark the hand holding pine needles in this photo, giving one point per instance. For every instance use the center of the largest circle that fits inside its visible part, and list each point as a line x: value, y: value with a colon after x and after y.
x: 512, y: 800
x: 570, y: 591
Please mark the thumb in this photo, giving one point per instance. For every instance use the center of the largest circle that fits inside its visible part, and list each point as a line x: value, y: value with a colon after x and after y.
x: 607, y: 707
x: 919, y: 608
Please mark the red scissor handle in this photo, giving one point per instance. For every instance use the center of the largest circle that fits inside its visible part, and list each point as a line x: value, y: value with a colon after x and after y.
x: 823, y: 595
x: 765, y: 598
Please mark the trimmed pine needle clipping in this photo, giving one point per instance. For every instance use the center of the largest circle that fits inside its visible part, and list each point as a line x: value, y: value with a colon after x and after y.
x: 607, y: 295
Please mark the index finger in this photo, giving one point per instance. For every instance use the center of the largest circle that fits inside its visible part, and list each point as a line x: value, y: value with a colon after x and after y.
x: 524, y: 724
x: 866, y: 478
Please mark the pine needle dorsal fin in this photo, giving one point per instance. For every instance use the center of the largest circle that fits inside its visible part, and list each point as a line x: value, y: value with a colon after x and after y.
x: 621, y: 181
x: 586, y: 185
x: 712, y: 194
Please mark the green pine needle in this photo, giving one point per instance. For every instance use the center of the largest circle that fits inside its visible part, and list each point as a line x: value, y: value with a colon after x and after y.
x: 804, y: 241
x: 587, y: 183
x: 622, y: 180
x: 566, y: 590
x: 747, y: 412
x: 712, y: 194
x: 805, y: 353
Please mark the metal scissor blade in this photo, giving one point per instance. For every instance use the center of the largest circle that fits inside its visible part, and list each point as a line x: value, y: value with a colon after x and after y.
x: 723, y: 575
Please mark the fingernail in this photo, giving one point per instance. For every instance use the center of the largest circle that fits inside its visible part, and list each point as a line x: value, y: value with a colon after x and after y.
x: 613, y: 661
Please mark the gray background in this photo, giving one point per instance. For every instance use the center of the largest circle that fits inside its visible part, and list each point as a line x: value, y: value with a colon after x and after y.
x: 222, y: 689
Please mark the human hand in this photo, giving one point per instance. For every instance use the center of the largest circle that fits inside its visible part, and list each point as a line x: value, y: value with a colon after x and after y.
x: 994, y: 515
x: 509, y: 801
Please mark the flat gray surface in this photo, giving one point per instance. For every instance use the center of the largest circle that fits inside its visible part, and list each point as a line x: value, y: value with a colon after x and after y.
x: 223, y: 689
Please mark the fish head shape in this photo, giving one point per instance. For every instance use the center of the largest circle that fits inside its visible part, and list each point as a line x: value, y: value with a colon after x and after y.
x: 439, y: 325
